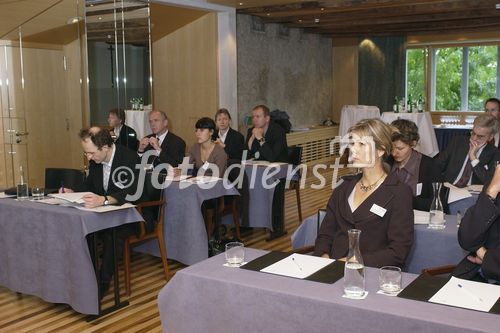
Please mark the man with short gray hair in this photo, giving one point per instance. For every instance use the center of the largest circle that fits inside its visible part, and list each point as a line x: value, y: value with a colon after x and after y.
x: 471, y: 160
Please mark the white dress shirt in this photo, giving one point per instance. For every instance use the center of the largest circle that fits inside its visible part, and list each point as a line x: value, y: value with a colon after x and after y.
x: 106, y: 169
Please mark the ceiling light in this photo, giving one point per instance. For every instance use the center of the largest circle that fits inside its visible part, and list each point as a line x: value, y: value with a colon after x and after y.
x: 268, y: 14
x: 322, y: 9
x: 300, y: 21
x: 73, y: 20
x: 241, y: 3
x: 100, y: 17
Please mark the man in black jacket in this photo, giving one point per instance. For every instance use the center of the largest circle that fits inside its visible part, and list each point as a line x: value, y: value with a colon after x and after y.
x: 125, y: 135
x: 471, y: 160
x: 112, y: 176
x: 479, y: 233
x: 169, y: 147
x: 266, y: 140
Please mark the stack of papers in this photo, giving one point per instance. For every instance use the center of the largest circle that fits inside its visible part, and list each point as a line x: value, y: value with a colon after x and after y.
x: 3, y: 195
x: 297, y: 266
x: 457, y: 193
x: 202, y: 180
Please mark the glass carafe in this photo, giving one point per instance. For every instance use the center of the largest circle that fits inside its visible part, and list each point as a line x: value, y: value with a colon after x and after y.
x: 22, y: 186
x: 354, y: 272
x: 436, y: 216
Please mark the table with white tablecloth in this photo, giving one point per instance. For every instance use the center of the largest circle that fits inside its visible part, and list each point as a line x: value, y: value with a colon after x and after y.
x: 139, y: 121
x: 428, y: 143
x: 351, y: 114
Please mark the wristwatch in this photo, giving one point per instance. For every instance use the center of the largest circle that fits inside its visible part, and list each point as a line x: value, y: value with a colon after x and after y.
x: 262, y: 140
x: 106, y: 201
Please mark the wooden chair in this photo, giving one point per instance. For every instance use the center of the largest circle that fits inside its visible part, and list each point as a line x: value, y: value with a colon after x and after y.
x: 223, y: 210
x: 439, y: 270
x: 152, y: 211
x: 295, y: 158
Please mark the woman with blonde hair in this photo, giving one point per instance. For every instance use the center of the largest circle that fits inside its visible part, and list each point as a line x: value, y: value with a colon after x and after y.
x: 373, y: 201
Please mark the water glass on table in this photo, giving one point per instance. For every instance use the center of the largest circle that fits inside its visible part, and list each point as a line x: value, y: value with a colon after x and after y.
x: 389, y: 280
x: 37, y: 193
x: 235, y: 254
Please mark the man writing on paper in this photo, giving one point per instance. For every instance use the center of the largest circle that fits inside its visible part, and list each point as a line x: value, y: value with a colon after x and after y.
x: 169, y: 147
x: 479, y: 233
x: 111, y: 177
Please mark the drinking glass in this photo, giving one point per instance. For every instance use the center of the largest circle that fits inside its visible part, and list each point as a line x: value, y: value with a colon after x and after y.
x: 38, y: 193
x: 389, y: 280
x: 235, y: 254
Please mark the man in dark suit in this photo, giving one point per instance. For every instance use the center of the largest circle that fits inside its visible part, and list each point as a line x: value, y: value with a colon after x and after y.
x: 266, y: 140
x: 232, y: 141
x: 108, y: 188
x: 479, y: 233
x: 169, y: 147
x: 471, y: 160
x: 492, y: 107
x: 125, y: 135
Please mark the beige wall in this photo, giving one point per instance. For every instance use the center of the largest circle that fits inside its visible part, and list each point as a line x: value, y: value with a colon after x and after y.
x: 185, y: 82
x: 49, y: 106
x: 345, y: 74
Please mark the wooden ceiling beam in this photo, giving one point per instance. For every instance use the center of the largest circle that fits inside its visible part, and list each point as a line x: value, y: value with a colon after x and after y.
x: 412, y: 10
x: 410, y: 19
x: 412, y: 27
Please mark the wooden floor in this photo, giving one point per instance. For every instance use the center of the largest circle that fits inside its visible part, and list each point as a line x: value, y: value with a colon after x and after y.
x: 25, y: 313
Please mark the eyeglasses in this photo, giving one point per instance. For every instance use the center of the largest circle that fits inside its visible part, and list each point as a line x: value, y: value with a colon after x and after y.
x: 480, y: 137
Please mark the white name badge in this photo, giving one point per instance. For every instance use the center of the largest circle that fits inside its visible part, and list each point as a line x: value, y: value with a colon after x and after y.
x: 205, y: 166
x: 376, y: 209
x: 419, y: 189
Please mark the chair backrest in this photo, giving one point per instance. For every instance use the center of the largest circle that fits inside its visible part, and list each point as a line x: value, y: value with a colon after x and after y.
x: 71, y: 178
x: 294, y: 155
x: 321, y: 216
x: 151, y: 193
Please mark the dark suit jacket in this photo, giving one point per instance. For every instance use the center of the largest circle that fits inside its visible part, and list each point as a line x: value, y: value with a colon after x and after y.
x: 128, y: 138
x: 235, y: 143
x: 480, y: 227
x: 275, y: 147
x: 118, y: 186
x: 385, y: 240
x: 173, y: 149
x: 451, y: 159
x: 428, y: 172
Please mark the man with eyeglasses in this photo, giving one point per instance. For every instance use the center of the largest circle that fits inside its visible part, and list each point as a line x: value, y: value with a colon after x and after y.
x: 471, y: 160
x: 112, y: 175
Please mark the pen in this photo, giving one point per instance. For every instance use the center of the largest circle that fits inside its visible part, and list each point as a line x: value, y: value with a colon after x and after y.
x: 296, y: 263
x: 62, y: 187
x: 479, y: 299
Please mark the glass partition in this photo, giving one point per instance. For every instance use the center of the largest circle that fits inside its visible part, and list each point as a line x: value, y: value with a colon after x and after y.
x: 119, y: 65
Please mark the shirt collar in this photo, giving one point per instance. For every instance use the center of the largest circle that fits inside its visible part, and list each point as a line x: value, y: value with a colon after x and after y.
x: 117, y: 130
x: 162, y: 137
x: 411, y: 166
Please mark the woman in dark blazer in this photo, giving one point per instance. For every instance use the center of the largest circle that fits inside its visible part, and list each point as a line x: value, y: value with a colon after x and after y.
x: 373, y: 201
x: 229, y: 139
x: 413, y: 168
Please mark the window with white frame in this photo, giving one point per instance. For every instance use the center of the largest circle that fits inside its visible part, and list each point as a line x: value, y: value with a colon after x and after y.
x: 453, y: 78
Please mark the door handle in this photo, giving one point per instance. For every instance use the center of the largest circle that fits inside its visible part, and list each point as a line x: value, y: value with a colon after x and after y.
x: 21, y: 133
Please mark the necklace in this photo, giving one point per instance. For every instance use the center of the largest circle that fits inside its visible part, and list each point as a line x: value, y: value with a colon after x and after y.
x: 369, y: 187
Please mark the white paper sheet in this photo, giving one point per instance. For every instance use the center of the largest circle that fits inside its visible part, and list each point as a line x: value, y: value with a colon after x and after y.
x: 476, y: 189
x: 264, y: 163
x: 104, y: 209
x: 202, y: 180
x: 75, y: 197
x: 472, y: 295
x: 421, y: 217
x: 3, y: 195
x: 457, y: 193
x: 297, y: 265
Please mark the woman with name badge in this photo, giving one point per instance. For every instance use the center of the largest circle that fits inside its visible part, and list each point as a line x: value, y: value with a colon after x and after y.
x: 373, y: 201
